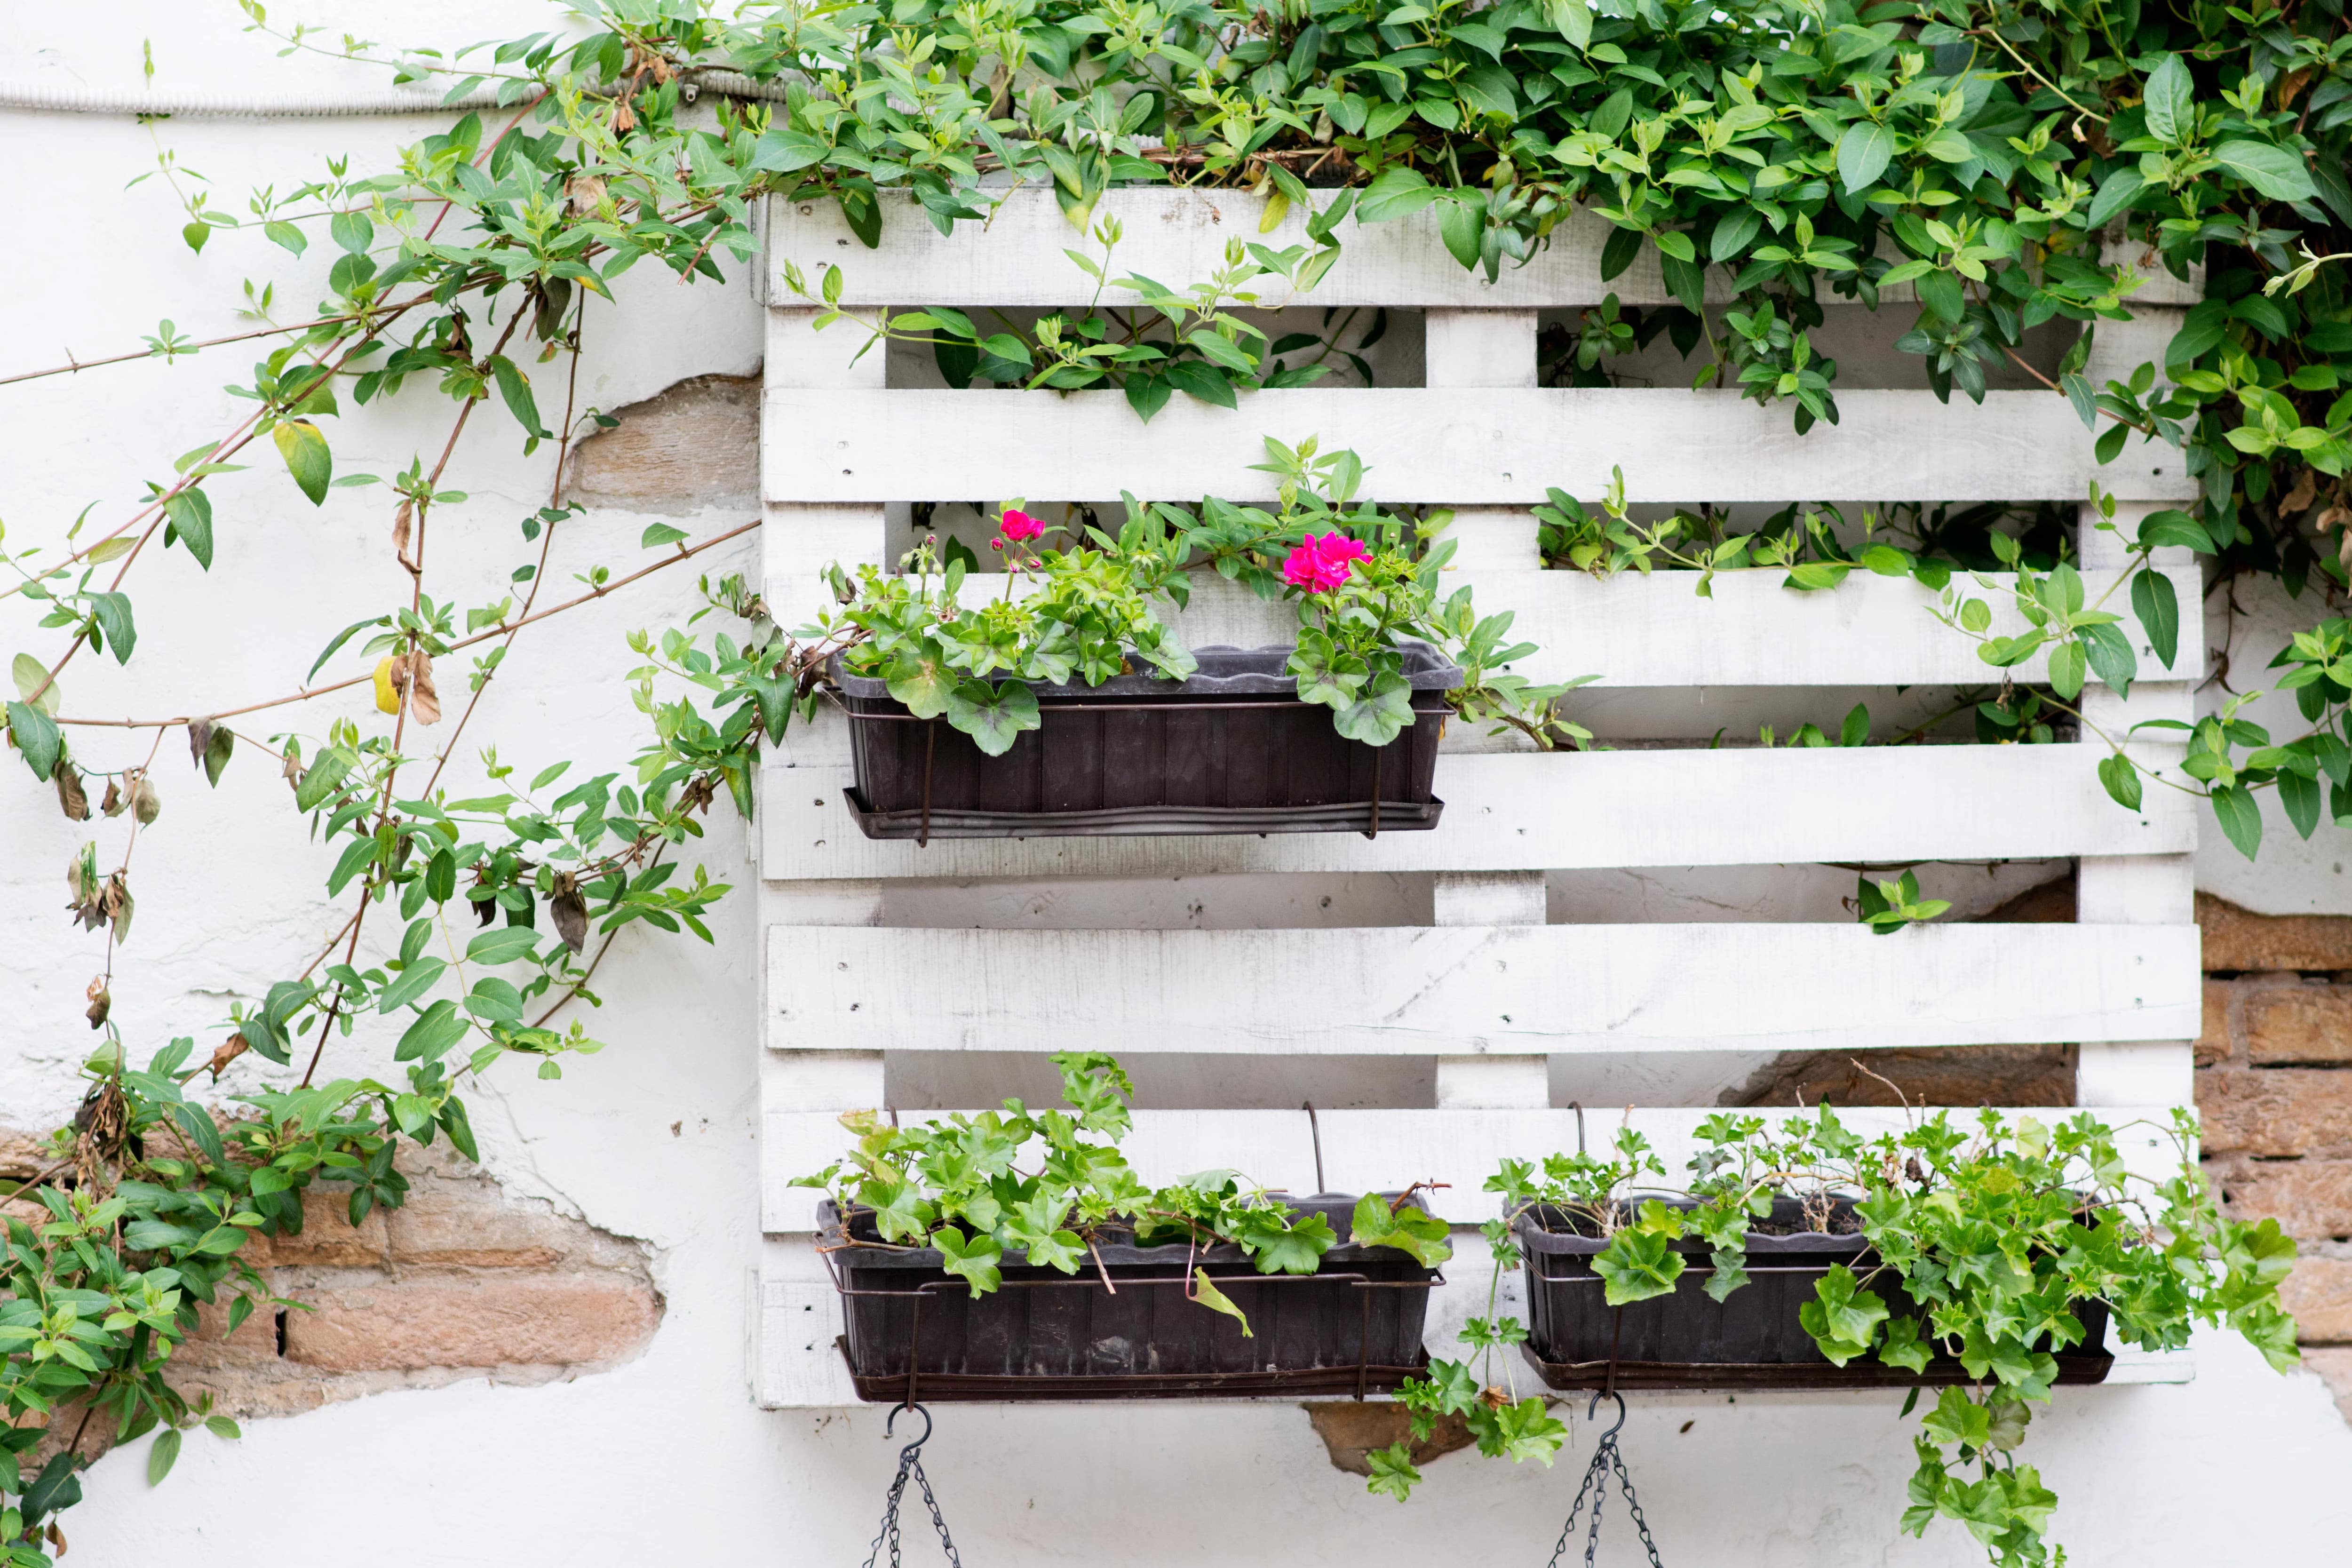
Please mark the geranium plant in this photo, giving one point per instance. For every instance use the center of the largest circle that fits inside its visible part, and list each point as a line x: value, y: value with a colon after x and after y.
x: 1077, y: 601
x: 1053, y: 1184
x: 1983, y: 1242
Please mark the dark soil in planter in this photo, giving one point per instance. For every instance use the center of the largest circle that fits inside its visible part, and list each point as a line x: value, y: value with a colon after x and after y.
x: 1752, y: 1339
x: 1231, y: 750
x: 916, y: 1331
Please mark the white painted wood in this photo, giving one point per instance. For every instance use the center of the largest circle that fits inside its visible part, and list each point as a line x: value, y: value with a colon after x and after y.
x: 1388, y: 1149
x: 1576, y: 810
x: 794, y: 1361
x: 1470, y: 447
x: 2153, y: 889
x: 798, y: 539
x: 1479, y: 348
x: 1476, y: 990
x: 1491, y: 899
x: 1654, y: 630
x: 1180, y: 238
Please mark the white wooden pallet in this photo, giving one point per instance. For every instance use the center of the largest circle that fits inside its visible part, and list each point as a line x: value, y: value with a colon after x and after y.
x: 1489, y: 991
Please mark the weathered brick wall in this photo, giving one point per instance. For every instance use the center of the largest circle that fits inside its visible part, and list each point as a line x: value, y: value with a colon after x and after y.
x: 2275, y: 1087
x: 462, y: 1281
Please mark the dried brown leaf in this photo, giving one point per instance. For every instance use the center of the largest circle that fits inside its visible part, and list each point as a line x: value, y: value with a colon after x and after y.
x: 570, y: 913
x: 100, y: 1002
x: 2299, y: 497
x: 423, y: 702
x: 145, y: 803
x: 71, y: 799
x: 400, y: 522
x: 113, y: 805
x: 230, y: 1049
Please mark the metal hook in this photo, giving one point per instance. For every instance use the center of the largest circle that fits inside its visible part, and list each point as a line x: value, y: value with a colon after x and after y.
x: 1590, y: 1410
x: 1578, y: 1106
x: 1316, y: 1128
x: 909, y: 1449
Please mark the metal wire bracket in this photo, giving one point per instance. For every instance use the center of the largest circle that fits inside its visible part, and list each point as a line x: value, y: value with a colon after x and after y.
x: 910, y: 1463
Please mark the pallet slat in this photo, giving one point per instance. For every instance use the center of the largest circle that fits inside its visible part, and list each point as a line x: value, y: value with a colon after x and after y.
x: 1460, y: 446
x: 1179, y: 238
x: 1471, y: 990
x: 1510, y: 812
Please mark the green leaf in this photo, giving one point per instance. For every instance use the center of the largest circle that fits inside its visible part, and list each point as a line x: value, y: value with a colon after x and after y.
x: 437, y: 1029
x: 163, y: 1455
x: 1863, y: 154
x: 319, y: 781
x: 352, y: 231
x: 657, y: 534
x: 1573, y: 20
x: 113, y: 614
x: 502, y: 945
x: 2300, y: 797
x: 1732, y: 232
x: 514, y: 386
x: 1636, y: 1265
x: 2240, y: 817
x: 1398, y: 193
x: 37, y: 739
x: 191, y: 512
x: 2158, y: 606
x: 1409, y: 1228
x: 2068, y: 666
x: 32, y: 676
x: 307, y: 458
x: 994, y: 716
x: 2273, y: 171
x: 412, y: 982
x: 2121, y: 779
x: 2171, y: 100
x: 221, y: 1426
x: 1390, y: 1469
x: 1209, y: 1296
x: 2110, y: 655
x: 783, y: 152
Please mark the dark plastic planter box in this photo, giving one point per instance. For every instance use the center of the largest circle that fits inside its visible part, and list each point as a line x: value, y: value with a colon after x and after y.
x: 1232, y: 749
x: 1752, y: 1339
x: 916, y: 1331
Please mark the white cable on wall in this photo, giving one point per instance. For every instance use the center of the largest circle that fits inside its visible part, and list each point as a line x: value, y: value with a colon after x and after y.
x: 71, y: 99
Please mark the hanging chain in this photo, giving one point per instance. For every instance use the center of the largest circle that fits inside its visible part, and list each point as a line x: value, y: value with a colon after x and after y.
x: 1606, y: 1460
x: 910, y: 1464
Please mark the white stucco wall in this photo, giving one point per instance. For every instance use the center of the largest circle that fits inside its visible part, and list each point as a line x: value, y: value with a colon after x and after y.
x: 667, y: 1458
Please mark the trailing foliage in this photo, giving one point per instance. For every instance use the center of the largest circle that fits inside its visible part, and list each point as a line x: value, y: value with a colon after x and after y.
x: 1983, y: 1241
x: 960, y: 1188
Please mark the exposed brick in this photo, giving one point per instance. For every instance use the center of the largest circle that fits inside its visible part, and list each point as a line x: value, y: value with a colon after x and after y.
x: 692, y: 446
x: 2311, y: 1199
x: 2238, y: 939
x: 2213, y: 1033
x: 488, y: 1320
x: 1350, y: 1430
x: 1954, y: 1075
x: 466, y: 1225
x: 2319, y: 1294
x: 2275, y: 1112
x: 2297, y: 1023
x: 212, y: 1347
x: 2335, y: 1369
x: 327, y: 1238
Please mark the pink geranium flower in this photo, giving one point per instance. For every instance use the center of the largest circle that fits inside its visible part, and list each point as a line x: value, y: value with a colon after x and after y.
x: 1323, y: 561
x: 1019, y: 525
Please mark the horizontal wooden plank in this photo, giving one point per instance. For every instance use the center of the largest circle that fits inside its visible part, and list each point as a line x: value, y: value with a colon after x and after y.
x: 1508, y: 812
x: 1471, y: 990
x: 1178, y: 238
x: 1655, y: 631
x: 1381, y: 1150
x: 1484, y: 447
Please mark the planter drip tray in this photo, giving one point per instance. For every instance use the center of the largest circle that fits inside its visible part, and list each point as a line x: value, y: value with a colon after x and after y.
x: 1146, y: 821
x: 1862, y: 1372
x: 1231, y: 750
x: 949, y: 1388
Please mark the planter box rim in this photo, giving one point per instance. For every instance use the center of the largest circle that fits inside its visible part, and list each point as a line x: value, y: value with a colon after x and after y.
x: 1336, y: 1207
x: 1223, y: 671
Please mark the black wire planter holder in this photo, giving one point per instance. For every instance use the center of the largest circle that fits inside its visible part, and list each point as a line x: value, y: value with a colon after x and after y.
x: 1606, y: 1461
x: 910, y: 1467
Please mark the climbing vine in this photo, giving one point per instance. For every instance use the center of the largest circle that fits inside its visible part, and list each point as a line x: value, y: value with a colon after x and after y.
x: 2013, y: 164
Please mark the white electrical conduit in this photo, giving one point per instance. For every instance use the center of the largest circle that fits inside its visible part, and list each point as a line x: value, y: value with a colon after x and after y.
x: 67, y: 100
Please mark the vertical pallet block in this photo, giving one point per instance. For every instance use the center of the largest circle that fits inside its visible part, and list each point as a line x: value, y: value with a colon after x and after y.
x: 1488, y: 991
